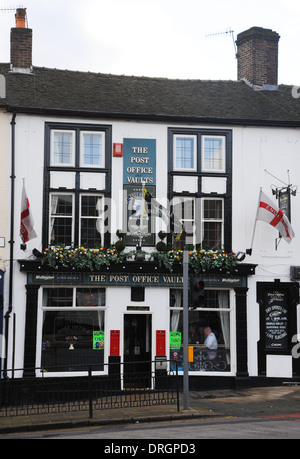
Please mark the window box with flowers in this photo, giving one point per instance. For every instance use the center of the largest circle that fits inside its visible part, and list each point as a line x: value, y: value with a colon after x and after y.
x: 81, y: 258
x: 200, y: 261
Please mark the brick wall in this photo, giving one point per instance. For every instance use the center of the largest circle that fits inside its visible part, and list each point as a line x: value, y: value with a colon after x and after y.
x: 258, y: 56
x: 21, y: 47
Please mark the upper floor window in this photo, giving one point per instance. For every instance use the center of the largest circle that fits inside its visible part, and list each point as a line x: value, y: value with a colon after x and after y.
x: 92, y: 149
x: 213, y: 154
x: 77, y: 185
x: 62, y: 148
x: 201, y: 152
x: 63, y: 224
x: 61, y: 219
x: 185, y: 152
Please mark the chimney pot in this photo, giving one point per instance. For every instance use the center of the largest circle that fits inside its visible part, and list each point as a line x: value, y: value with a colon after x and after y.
x: 21, y: 17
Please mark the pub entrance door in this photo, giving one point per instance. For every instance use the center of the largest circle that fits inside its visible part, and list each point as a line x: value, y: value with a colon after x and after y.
x: 137, y: 350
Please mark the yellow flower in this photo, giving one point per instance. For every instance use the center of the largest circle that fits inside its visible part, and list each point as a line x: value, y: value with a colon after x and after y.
x: 61, y: 255
x: 82, y: 248
x: 70, y: 255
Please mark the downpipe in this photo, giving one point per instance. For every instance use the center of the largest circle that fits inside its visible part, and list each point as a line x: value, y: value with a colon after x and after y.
x: 11, y: 241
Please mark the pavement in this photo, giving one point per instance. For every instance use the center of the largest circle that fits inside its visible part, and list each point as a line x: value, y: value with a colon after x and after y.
x: 282, y: 400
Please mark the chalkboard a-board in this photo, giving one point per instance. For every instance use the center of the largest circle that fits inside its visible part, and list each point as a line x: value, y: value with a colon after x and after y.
x: 276, y: 320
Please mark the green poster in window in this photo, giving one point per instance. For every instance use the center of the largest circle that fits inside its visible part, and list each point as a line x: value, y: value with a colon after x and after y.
x: 98, y: 340
x: 175, y: 340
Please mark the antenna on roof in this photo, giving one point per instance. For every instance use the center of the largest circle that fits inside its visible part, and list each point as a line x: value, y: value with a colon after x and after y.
x: 224, y: 32
x: 8, y: 9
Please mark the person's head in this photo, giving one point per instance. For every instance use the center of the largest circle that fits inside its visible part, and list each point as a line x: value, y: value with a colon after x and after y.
x: 207, y: 331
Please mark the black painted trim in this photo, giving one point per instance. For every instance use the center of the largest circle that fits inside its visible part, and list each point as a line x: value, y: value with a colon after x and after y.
x: 199, y: 132
x: 77, y: 127
x: 292, y: 289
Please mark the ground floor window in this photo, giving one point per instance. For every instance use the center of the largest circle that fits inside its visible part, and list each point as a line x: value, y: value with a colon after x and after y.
x: 209, y: 332
x: 73, y: 329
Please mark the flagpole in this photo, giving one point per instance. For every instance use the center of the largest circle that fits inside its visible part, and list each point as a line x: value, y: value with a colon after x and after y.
x: 249, y: 251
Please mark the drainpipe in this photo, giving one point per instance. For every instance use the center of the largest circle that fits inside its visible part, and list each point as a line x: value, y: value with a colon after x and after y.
x: 11, y: 242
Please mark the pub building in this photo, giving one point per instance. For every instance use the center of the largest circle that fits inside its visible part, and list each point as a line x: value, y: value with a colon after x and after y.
x: 124, y: 174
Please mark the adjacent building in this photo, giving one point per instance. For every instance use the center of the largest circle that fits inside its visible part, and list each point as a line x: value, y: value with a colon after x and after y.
x: 97, y: 284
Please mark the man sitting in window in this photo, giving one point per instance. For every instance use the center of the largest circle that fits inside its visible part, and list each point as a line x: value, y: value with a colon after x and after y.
x: 210, y: 343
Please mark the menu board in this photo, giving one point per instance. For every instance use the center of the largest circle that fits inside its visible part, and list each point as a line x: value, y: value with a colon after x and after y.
x: 276, y: 320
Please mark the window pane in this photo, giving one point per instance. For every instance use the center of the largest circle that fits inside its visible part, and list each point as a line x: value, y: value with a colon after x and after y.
x: 209, y: 335
x: 58, y: 297
x: 185, y: 153
x: 213, y: 209
x: 212, y: 237
x: 72, y: 340
x: 61, y: 219
x: 213, y: 154
x: 91, y: 215
x: 92, y: 149
x: 176, y: 298
x: 90, y: 206
x: 62, y: 148
x: 216, y: 299
x: 90, y: 297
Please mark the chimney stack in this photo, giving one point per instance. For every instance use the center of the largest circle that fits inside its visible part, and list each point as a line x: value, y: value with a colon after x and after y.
x: 21, y: 44
x: 257, y: 53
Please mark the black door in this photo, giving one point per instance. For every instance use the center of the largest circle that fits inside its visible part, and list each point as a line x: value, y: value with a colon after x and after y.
x: 137, y: 350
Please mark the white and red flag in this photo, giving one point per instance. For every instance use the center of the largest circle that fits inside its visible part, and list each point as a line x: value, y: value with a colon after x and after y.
x: 269, y: 213
x: 26, y: 225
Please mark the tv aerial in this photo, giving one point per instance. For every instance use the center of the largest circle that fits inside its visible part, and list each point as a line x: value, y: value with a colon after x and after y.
x: 9, y: 9
x: 228, y: 32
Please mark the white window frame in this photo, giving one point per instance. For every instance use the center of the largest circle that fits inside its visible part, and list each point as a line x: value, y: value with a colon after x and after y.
x: 102, y: 150
x: 212, y: 220
x: 58, y: 193
x: 43, y: 309
x: 180, y: 199
x: 187, y: 136
x: 223, y: 156
x: 72, y: 152
x: 100, y: 217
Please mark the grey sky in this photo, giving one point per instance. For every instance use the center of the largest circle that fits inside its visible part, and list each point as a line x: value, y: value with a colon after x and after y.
x: 161, y: 38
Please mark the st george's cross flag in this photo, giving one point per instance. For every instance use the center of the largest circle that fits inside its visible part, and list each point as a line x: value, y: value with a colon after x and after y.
x: 26, y: 224
x: 269, y: 213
